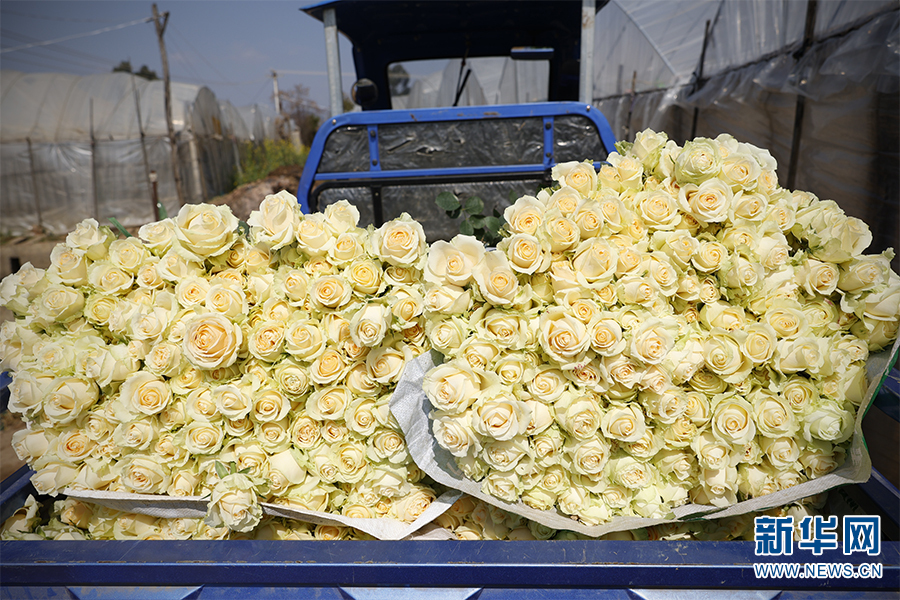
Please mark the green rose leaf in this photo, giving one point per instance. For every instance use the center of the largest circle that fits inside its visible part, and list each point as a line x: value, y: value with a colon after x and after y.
x: 447, y: 201
x: 466, y: 228
x: 474, y: 205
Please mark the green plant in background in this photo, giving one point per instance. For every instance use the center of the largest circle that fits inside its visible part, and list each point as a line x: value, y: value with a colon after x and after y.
x: 475, y: 223
x: 258, y: 160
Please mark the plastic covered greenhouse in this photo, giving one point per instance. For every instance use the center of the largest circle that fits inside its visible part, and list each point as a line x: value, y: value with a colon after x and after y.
x: 814, y: 81
x: 73, y: 147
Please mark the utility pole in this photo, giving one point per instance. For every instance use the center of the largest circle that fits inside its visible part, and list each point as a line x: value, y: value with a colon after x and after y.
x: 277, y: 97
x: 167, y: 87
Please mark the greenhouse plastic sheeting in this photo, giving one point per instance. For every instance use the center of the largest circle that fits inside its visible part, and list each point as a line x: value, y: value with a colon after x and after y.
x: 754, y: 71
x: 85, y: 157
x: 448, y: 144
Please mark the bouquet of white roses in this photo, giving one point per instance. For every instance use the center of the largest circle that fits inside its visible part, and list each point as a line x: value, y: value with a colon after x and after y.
x: 238, y: 363
x: 673, y: 328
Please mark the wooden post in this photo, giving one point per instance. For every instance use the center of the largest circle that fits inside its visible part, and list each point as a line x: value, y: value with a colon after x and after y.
x: 39, y: 228
x: 698, y: 82
x: 160, y: 29
x: 800, y: 107
x: 94, y: 162
x: 137, y: 107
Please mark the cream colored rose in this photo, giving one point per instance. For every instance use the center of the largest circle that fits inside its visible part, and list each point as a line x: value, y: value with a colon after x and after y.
x: 864, y: 274
x: 801, y: 354
x: 501, y: 417
x: 652, y: 340
x: 561, y: 232
x: 588, y: 458
x: 820, y: 458
x: 191, y: 291
x: 589, y: 219
x: 758, y: 342
x: 68, y: 266
x: 211, y: 340
x: 59, y: 303
x: 145, y: 393
x: 143, y: 475
x: 232, y: 401
x: 227, y: 299
x: 328, y: 403
x: 732, y: 421
x: 773, y: 416
x: 723, y: 356
x: 453, y: 262
x: 385, y: 363
x: 365, y: 277
x: 275, y: 222
x: 578, y: 415
x: 451, y: 387
x: 201, y: 437
x: 563, y: 337
x: 330, y: 291
x: 128, y: 254
x: 173, y: 268
x: 68, y: 398
x: 454, y: 434
x: 884, y: 304
x: 782, y: 452
x: 266, y: 342
x: 400, y: 242
x: 348, y: 246
x: 657, y: 209
x: 595, y: 260
x: 526, y: 254
x: 578, y: 175
x: 158, y: 236
x: 204, y: 231
x: 829, y: 422
x: 370, y: 324
x: 233, y: 504
x: 547, y: 384
x: 496, y: 280
x: 624, y: 423
x: 304, y: 339
x: 710, y: 202
x: 328, y: 367
x: 91, y: 238
x: 525, y: 215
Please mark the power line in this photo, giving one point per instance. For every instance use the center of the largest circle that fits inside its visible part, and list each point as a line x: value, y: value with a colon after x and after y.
x: 49, y: 18
x: 76, y: 36
x: 62, y: 49
x: 197, y: 52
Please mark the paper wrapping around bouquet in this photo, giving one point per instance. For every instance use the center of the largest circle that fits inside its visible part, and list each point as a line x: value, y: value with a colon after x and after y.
x: 411, y: 407
x: 195, y: 507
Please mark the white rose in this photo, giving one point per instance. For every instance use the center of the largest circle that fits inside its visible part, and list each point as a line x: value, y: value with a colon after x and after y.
x: 453, y: 262
x: 451, y: 387
x: 710, y: 202
x: 91, y: 238
x: 801, y: 354
x: 68, y: 266
x: 630, y: 473
x: 828, y: 422
x: 525, y: 215
x: 579, y: 415
x: 234, y: 504
x: 773, y: 415
x: 588, y: 458
x: 275, y: 222
x: 595, y: 261
x: 501, y: 417
x: 145, y: 393
x: 386, y: 363
x: 204, y: 231
x: 652, y: 340
x: 526, y: 253
x: 563, y: 337
x: 624, y: 422
x: 59, y: 303
x: 330, y: 291
x: 496, y: 280
x: 211, y: 340
x: 578, y: 175
x: 732, y: 421
x: 400, y: 242
x: 158, y: 236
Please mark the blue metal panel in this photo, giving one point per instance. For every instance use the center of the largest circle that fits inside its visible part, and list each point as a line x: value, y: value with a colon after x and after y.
x: 542, y: 564
x: 372, y: 119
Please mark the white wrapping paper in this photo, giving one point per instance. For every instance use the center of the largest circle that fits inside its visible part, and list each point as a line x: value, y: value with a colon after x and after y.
x: 194, y: 507
x: 411, y: 407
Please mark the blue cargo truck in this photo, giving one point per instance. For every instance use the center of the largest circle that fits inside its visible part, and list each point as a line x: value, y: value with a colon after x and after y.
x: 389, y: 159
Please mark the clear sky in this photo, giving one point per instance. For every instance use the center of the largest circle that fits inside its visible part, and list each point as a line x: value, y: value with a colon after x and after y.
x: 231, y: 47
